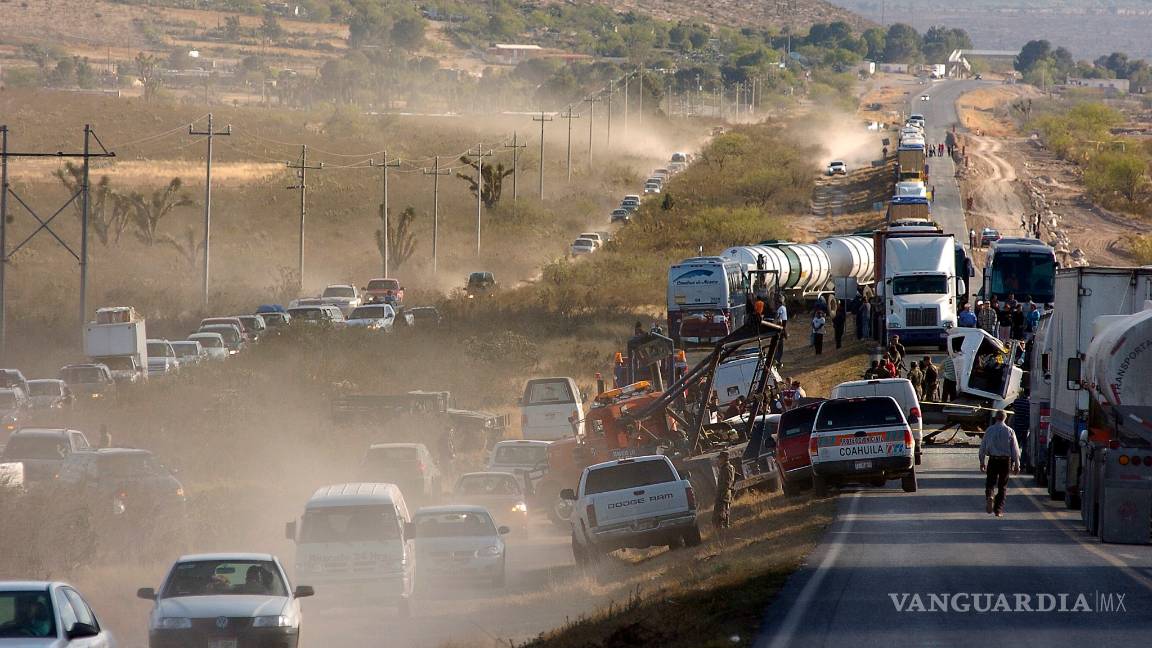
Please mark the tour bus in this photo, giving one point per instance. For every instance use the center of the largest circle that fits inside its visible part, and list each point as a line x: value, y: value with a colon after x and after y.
x: 703, y: 285
x: 1022, y: 267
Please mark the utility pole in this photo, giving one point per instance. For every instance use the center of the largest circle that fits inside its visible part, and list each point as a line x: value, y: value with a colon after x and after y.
x: 209, y: 133
x: 436, y: 172
x: 384, y: 215
x: 608, y: 139
x: 640, y: 112
x: 480, y: 155
x: 569, y: 116
x: 542, y: 119
x: 302, y: 173
x: 515, y: 170
x: 46, y: 224
x: 626, y: 78
x: 591, y: 119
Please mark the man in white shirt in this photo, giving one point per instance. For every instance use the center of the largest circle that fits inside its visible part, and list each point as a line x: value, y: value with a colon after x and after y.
x: 782, y: 315
x: 1002, y: 452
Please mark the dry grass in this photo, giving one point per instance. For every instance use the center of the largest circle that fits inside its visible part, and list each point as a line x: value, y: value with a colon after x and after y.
x: 985, y: 111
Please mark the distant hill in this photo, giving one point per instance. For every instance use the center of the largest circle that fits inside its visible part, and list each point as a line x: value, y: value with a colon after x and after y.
x: 795, y: 14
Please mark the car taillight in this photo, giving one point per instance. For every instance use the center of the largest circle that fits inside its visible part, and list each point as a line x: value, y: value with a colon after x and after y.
x: 813, y: 446
x: 180, y: 492
x: 914, y: 415
x: 908, y: 441
x: 1113, y: 444
x: 691, y: 495
x: 1123, y: 460
x: 591, y: 515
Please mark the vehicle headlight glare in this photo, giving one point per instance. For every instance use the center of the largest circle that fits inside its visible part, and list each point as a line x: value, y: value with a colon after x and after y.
x: 172, y: 623
x: 520, y: 507
x: 274, y: 621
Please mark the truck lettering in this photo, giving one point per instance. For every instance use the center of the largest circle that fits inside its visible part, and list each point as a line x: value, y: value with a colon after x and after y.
x: 657, y: 498
x: 863, y: 450
x: 623, y: 503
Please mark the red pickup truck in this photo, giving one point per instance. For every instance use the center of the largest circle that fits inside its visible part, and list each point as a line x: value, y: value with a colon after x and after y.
x: 793, y: 462
x: 379, y: 291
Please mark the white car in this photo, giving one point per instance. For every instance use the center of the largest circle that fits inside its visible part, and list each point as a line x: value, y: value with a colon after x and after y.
x: 901, y: 391
x: 600, y: 238
x: 863, y: 441
x: 343, y: 296
x: 212, y: 343
x: 837, y: 167
x: 923, y: 97
x: 225, y: 601
x: 651, y: 188
x: 48, y: 615
x: 637, y: 502
x: 162, y: 358
x: 582, y: 246
x: 375, y: 317
x: 458, y: 543
x: 189, y: 352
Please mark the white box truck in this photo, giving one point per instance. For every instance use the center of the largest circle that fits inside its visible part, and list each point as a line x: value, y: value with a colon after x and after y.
x: 919, y: 288
x: 118, y: 338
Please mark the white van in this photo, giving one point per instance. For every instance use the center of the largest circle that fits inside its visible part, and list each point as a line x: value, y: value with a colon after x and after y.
x: 354, y: 542
x: 901, y: 391
x: 734, y: 378
x: 548, y: 408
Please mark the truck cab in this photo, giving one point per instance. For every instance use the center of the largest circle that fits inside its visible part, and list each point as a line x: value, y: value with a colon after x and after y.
x: 551, y: 409
x: 987, y: 376
x: 383, y: 290
x: 920, y: 288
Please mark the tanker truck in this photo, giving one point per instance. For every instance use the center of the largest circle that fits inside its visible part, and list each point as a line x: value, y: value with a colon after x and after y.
x: 1117, y: 444
x: 1082, y: 297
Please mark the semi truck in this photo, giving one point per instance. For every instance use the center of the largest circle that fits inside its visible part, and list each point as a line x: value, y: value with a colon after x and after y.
x: 118, y: 339
x: 911, y: 160
x: 903, y: 208
x: 919, y: 285
x: 1082, y: 297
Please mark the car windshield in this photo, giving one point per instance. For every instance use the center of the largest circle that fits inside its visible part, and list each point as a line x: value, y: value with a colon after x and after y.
x: 384, y: 456
x: 548, y: 392
x: 920, y: 285
x: 521, y: 455
x: 9, y: 379
x: 383, y: 284
x: 350, y: 524
x: 123, y: 363
x: 423, y: 313
x: 185, y: 348
x: 252, y: 322
x: 340, y: 291
x: 488, y: 485
x: 210, y: 342
x: 628, y: 475
x: 120, y: 465
x: 308, y: 314
x: 370, y: 312
x: 858, y: 413
x: 797, y: 422
x: 479, y: 279
x: 8, y: 399
x: 1024, y: 274
x: 36, y: 446
x: 457, y: 524
x: 159, y: 350
x: 46, y: 388
x: 25, y: 615
x: 223, y: 577
x: 584, y: 243
x: 273, y: 319
x: 78, y: 375
x: 229, y: 333
x: 220, y: 320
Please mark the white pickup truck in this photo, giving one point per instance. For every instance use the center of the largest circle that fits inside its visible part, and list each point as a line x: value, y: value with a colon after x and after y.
x: 637, y: 502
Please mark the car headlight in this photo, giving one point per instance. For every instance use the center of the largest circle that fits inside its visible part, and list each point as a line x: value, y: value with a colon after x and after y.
x: 275, y: 621
x: 489, y: 551
x: 895, y: 322
x: 520, y: 507
x: 172, y: 623
x: 97, y: 395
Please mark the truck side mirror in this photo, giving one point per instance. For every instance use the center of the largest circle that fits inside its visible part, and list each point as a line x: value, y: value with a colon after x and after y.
x: 290, y: 531
x: 568, y: 494
x: 1073, y: 374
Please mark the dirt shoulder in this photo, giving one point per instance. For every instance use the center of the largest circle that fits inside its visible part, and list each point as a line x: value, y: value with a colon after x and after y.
x: 1011, y: 180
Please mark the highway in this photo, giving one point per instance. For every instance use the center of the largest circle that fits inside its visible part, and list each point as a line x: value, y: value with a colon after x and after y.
x: 858, y: 586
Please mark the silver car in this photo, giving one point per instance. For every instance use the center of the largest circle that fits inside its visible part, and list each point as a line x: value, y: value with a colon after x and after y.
x: 458, y: 543
x: 48, y: 615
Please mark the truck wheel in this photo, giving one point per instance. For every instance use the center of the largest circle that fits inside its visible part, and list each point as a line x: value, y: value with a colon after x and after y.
x: 692, y: 537
x: 908, y: 482
x: 559, y: 510
x: 819, y: 486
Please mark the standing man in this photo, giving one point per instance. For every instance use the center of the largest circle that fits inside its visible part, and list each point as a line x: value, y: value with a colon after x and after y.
x: 838, y: 322
x: 782, y: 316
x: 725, y: 477
x: 931, y: 377
x: 1002, y: 452
x: 916, y: 377
x: 987, y: 318
x: 818, y: 332
x: 967, y: 318
x: 948, y: 372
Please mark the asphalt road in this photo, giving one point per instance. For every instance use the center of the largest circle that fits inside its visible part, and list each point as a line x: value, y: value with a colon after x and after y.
x: 886, y: 544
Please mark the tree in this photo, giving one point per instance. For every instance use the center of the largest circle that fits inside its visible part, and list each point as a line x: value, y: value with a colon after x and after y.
x: 1032, y: 53
x: 107, y: 210
x: 874, y: 41
x: 232, y: 28
x: 902, y: 44
x: 148, y: 71
x: 939, y: 42
x: 147, y: 212
x: 401, y: 237
x: 408, y: 32
x: 188, y: 248
x: 492, y: 176
x: 270, y: 28
x: 1112, y: 172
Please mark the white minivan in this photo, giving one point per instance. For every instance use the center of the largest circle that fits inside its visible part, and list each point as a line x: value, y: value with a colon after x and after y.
x: 354, y: 542
x: 901, y: 391
x: 549, y: 407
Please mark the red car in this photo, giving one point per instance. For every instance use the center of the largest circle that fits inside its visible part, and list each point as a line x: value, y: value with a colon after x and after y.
x: 379, y: 291
x: 792, y: 461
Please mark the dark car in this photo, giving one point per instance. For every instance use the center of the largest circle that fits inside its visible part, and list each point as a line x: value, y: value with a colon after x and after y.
x: 425, y: 317
x: 89, y: 382
x: 13, y: 379
x: 988, y: 236
x: 257, y: 325
x: 126, y: 480
x: 480, y: 284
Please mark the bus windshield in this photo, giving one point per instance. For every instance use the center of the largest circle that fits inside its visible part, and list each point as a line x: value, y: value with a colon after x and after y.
x: 1027, y: 275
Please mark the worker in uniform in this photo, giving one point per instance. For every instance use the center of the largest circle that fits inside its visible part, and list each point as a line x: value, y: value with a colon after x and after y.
x: 725, y: 478
x: 999, y: 453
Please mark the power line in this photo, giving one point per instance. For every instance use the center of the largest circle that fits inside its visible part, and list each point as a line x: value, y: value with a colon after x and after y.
x: 436, y: 172
x: 209, y: 133
x: 542, y: 119
x: 384, y: 207
x: 302, y: 172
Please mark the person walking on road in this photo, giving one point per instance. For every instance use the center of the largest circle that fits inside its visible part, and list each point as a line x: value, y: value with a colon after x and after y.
x: 725, y: 478
x: 838, y: 322
x: 818, y: 322
x: 999, y: 453
x: 948, y: 372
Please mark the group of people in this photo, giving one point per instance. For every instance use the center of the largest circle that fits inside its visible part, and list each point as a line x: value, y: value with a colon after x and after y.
x: 932, y: 382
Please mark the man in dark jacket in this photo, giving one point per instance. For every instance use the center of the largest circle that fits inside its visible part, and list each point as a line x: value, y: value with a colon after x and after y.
x: 838, y: 320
